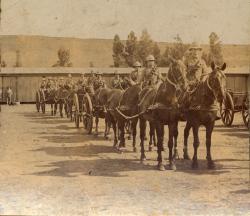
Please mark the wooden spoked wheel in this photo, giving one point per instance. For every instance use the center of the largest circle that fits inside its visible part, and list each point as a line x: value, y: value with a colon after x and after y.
x: 87, y: 113
x: 75, y: 110
x: 38, y: 100
x: 227, y: 110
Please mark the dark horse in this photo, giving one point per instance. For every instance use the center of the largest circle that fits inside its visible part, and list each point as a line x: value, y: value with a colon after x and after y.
x: 109, y: 100
x: 160, y: 107
x: 127, y: 110
x: 203, y: 111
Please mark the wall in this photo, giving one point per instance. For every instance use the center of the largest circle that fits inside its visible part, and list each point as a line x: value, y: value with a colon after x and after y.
x: 25, y: 81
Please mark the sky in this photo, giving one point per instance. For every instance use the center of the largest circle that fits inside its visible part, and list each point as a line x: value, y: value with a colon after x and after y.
x: 193, y: 20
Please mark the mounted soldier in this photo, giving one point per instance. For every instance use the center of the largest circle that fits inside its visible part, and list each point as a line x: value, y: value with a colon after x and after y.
x: 61, y: 82
x: 117, y: 82
x: 99, y: 82
x: 134, y: 76
x: 69, y: 84
x: 196, y: 67
x: 150, y: 76
x: 82, y: 81
x: 43, y: 83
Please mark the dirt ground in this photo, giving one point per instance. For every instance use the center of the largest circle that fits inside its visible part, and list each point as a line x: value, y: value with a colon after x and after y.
x: 48, y: 167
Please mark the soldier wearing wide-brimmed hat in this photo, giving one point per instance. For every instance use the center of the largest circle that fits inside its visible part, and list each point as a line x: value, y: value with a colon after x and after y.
x: 196, y: 67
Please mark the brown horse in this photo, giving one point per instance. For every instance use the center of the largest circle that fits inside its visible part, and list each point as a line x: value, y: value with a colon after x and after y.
x: 109, y: 100
x: 203, y: 111
x: 160, y: 106
x: 126, y: 109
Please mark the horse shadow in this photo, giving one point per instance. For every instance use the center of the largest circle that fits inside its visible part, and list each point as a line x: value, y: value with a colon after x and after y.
x: 239, y: 132
x: 100, y: 167
x: 43, y: 118
x: 186, y: 167
x: 89, y: 150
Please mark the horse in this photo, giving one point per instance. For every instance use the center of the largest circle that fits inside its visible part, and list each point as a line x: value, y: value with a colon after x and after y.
x: 126, y: 110
x: 108, y: 99
x: 50, y: 99
x: 159, y: 105
x: 203, y: 111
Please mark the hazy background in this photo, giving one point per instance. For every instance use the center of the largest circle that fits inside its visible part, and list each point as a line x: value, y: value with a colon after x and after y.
x: 192, y: 19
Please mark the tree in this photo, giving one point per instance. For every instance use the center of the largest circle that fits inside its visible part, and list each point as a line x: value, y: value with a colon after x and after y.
x: 131, y: 49
x: 156, y: 53
x: 118, y: 52
x: 179, y: 48
x: 63, y: 58
x: 165, y: 62
x: 145, y: 46
x: 215, y: 51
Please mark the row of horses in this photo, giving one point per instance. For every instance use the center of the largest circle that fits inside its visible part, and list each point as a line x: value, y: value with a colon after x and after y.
x: 164, y: 106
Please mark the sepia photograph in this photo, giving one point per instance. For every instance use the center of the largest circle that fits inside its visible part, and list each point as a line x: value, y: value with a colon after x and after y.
x: 124, y: 107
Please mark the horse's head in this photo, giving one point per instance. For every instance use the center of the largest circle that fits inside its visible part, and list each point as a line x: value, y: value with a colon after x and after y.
x: 217, y: 81
x: 176, y: 73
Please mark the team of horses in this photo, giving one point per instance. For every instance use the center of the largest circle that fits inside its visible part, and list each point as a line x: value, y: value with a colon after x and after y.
x: 166, y: 104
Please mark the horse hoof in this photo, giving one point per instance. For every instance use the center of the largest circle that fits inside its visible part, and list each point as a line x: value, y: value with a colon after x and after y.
x: 134, y: 149
x: 161, y: 167
x: 172, y: 166
x: 129, y: 138
x: 195, y: 165
x: 150, y: 148
x: 186, y: 157
x: 210, y: 165
x: 145, y: 138
x: 143, y: 158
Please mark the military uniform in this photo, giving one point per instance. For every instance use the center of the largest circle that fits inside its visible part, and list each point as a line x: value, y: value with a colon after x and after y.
x: 99, y: 82
x: 150, y: 77
x: 116, y: 82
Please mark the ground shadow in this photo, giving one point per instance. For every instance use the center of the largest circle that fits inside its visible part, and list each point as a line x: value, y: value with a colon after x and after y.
x: 239, y: 132
x: 81, y: 151
x: 242, y: 191
x: 98, y: 167
x: 186, y: 167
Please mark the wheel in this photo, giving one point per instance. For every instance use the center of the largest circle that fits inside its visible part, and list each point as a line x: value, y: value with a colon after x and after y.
x: 38, y: 101
x: 75, y: 110
x: 42, y: 103
x: 245, y: 111
x: 87, y: 113
x: 227, y: 110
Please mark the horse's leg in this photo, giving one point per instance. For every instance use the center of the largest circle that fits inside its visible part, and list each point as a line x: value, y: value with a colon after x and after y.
x: 160, y: 136
x: 96, y: 124
x: 121, y: 125
x: 151, y: 136
x: 209, y: 130
x: 114, y: 126
x: 51, y: 107
x: 61, y: 108
x: 130, y: 128
x: 55, y: 108
x: 186, y: 134
x: 196, y: 145
x: 142, y: 137
x: 176, y: 154
x: 171, y: 128
x: 133, y: 127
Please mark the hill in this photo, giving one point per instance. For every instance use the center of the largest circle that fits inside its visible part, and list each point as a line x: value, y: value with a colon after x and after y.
x: 41, y: 51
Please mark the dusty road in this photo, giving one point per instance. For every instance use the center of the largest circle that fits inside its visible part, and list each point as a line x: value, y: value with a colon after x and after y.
x: 48, y: 167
